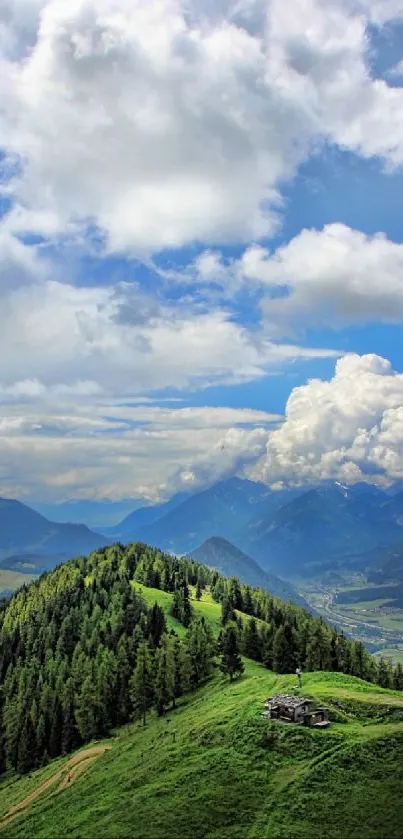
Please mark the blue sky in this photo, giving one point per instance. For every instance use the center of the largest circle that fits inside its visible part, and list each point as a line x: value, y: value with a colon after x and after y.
x: 201, y: 241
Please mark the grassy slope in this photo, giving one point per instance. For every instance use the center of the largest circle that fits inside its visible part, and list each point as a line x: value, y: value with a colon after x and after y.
x: 215, y: 768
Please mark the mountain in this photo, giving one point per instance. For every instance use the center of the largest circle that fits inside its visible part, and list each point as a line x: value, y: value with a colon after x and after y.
x: 393, y: 508
x: 223, y: 510
x: 24, y: 531
x: 293, y: 532
x: 387, y: 567
x: 318, y: 526
x: 95, y: 514
x: 208, y: 764
x: 127, y: 529
x: 220, y: 554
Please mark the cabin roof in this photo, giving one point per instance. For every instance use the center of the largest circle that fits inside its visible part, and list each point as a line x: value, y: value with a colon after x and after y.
x: 286, y: 701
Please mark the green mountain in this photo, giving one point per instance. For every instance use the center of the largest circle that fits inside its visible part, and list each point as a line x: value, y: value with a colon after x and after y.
x: 226, y: 558
x: 134, y: 634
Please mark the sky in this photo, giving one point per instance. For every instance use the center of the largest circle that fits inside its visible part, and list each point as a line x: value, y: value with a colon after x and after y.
x: 201, y: 245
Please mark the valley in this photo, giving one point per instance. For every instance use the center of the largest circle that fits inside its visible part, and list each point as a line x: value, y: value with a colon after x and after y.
x: 360, y: 610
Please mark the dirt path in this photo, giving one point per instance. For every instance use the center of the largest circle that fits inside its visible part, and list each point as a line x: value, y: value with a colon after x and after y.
x: 71, y: 769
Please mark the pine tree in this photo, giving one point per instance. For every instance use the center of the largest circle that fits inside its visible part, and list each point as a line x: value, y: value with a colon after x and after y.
x: 251, y: 645
x: 384, y: 674
x: 41, y: 739
x: 86, y: 710
x: 69, y: 727
x: 267, y: 639
x: 26, y: 747
x: 156, y: 624
x: 227, y: 611
x: 198, y: 590
x: 142, y: 683
x: 235, y: 594
x: 284, y: 652
x: 185, y: 668
x: 164, y: 686
x: 200, y: 647
x: 398, y: 677
x: 231, y: 662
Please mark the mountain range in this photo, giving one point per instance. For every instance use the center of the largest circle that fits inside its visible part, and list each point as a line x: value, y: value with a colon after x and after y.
x: 24, y: 532
x: 292, y: 532
x: 87, y: 511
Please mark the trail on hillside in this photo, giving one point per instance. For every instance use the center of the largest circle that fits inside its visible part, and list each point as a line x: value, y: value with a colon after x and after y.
x: 64, y: 776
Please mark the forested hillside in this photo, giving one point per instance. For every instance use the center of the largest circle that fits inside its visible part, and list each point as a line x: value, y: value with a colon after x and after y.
x: 81, y: 650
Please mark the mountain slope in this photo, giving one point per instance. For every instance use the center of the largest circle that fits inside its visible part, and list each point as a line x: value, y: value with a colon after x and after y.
x: 144, y: 516
x: 319, y: 525
x: 226, y: 558
x: 387, y: 567
x: 221, y: 510
x: 23, y: 530
x: 215, y: 768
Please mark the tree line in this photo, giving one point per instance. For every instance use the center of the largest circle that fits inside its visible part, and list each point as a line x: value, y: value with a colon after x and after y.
x: 82, y: 653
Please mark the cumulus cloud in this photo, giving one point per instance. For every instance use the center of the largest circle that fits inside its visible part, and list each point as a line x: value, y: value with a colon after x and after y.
x: 335, y: 276
x: 349, y: 428
x: 164, y: 123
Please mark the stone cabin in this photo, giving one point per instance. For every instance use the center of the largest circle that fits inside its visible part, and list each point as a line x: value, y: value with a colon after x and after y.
x: 295, y: 709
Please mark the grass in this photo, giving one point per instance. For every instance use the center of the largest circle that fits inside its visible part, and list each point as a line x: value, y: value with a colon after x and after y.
x: 215, y: 769
x: 206, y: 607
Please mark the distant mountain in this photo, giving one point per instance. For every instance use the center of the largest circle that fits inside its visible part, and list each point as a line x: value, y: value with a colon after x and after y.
x: 94, y: 514
x: 294, y: 532
x: 220, y: 554
x: 387, y: 567
x: 393, y: 508
x: 223, y: 509
x: 127, y: 529
x: 24, y: 531
x: 319, y: 525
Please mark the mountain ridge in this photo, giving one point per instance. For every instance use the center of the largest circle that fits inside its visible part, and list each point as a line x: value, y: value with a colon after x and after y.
x: 220, y: 554
x: 25, y: 531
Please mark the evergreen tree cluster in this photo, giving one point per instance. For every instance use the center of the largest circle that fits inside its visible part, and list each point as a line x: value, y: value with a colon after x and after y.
x: 283, y: 636
x: 81, y: 653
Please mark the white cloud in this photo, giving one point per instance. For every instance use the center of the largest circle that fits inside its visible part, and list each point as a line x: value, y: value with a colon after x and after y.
x: 148, y: 450
x: 349, y: 428
x: 169, y: 122
x: 397, y: 70
x: 335, y: 276
x: 19, y: 263
x: 121, y: 340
